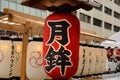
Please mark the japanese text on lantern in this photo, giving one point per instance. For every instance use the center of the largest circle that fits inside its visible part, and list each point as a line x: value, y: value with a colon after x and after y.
x: 61, y: 57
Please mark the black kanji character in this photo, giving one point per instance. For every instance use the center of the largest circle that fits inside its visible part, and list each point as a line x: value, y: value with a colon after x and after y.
x: 63, y: 59
x: 59, y: 29
x: 58, y: 59
x: 51, y: 61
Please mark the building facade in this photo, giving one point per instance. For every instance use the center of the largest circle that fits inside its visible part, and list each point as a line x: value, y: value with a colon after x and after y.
x: 15, y: 5
x: 105, y: 20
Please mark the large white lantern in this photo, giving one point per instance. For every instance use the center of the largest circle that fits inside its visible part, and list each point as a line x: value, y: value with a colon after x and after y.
x: 17, y: 43
x: 82, y: 50
x: 98, y: 60
x: 86, y: 56
x: 103, y: 59
x: 92, y: 60
x: 5, y: 58
x: 34, y: 64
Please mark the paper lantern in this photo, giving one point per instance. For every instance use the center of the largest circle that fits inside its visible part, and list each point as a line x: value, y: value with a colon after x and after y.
x: 61, y: 45
x: 98, y: 60
x: 17, y: 43
x: 109, y: 52
x: 116, y: 53
x: 82, y: 52
x: 86, y: 62
x: 92, y: 60
x: 34, y: 64
x: 5, y: 58
x: 103, y: 59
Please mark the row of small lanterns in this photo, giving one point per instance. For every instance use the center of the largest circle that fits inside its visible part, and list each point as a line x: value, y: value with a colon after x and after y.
x: 92, y: 59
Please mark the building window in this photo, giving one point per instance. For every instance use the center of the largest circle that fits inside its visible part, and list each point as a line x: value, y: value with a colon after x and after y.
x: 116, y: 28
x: 97, y: 22
x: 117, y: 15
x: 16, y: 1
x: 117, y: 2
x: 99, y: 8
x: 108, y: 11
x: 107, y: 26
x: 85, y: 18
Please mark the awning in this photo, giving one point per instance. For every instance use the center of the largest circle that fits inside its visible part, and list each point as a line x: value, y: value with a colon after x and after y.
x: 115, y: 37
x: 107, y: 44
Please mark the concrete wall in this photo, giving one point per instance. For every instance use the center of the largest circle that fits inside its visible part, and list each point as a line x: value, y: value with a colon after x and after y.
x: 102, y: 16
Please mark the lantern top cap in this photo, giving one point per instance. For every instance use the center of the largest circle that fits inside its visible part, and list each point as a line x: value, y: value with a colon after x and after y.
x: 51, y: 5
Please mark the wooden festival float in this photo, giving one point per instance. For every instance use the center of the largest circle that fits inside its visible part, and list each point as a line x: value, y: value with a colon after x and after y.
x: 27, y: 60
x: 31, y: 66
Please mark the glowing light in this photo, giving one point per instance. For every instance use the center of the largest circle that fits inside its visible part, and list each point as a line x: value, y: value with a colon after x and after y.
x: 1, y: 20
x: 5, y: 19
x: 17, y: 24
x: 5, y: 22
x: 18, y: 48
x: 5, y: 46
x: 39, y: 47
x: 11, y: 23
